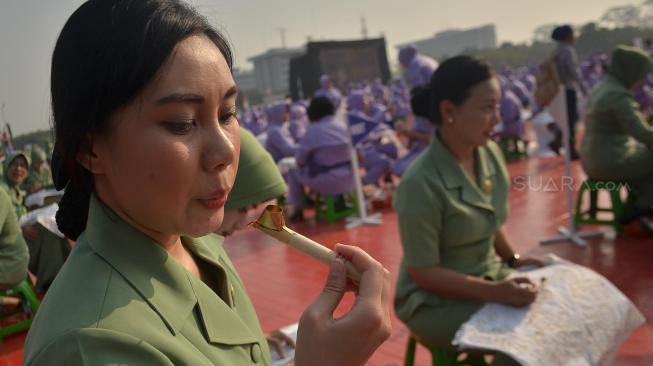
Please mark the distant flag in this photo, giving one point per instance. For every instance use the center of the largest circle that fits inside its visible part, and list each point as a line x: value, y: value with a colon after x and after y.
x: 11, y: 137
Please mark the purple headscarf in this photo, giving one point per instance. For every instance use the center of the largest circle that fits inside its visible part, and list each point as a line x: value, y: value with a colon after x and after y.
x: 407, y: 54
x: 277, y: 113
x: 324, y: 80
x: 356, y: 101
x: 297, y: 111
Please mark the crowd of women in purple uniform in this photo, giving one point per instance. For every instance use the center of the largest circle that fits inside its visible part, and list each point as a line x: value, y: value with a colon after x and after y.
x: 397, y: 136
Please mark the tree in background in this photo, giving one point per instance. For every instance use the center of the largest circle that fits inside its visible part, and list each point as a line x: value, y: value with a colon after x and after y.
x: 40, y: 137
x: 622, y: 16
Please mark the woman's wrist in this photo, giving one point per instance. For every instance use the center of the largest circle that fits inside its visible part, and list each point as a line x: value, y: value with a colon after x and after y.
x: 488, y: 292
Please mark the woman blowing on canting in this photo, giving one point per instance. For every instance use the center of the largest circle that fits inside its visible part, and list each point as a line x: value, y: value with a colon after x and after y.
x: 451, y: 204
x: 147, y: 147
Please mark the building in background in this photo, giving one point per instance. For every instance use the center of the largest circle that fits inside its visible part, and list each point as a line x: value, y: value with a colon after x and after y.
x: 453, y: 42
x: 245, y: 79
x: 271, y: 71
x: 343, y: 61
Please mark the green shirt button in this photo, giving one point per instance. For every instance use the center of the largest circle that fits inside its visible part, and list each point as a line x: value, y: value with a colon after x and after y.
x: 256, y: 353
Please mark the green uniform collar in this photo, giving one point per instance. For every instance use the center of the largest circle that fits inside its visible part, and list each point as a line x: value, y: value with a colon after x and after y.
x: 454, y: 177
x: 158, y: 277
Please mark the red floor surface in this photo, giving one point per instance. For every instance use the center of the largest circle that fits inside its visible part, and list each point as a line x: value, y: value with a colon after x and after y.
x: 282, y: 282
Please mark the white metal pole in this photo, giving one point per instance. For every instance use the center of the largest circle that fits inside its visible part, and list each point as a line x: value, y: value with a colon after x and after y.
x: 558, y: 109
x: 363, y: 218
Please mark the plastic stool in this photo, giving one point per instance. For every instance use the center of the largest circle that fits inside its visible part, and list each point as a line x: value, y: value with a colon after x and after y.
x: 441, y: 358
x: 513, y: 147
x: 325, y: 207
x: 30, y: 304
x: 590, y: 217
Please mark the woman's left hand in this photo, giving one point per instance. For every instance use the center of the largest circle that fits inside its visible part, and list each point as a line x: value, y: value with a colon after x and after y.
x: 278, y: 340
x: 30, y: 232
x: 529, y: 261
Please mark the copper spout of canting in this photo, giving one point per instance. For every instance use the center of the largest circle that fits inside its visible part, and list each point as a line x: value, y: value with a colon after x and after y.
x: 271, y: 218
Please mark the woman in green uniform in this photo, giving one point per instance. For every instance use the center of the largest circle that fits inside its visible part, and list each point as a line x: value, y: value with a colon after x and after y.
x: 618, y: 142
x: 16, y: 171
x: 14, y: 256
x: 147, y: 145
x: 13, y: 250
x: 258, y: 180
x: 40, y: 176
x: 452, y: 203
x: 47, y: 251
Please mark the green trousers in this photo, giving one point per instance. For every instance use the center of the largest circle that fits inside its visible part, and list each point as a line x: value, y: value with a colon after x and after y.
x: 636, y: 170
x: 47, y: 254
x: 437, y: 326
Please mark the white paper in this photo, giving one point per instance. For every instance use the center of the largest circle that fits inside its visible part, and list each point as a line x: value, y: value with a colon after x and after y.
x: 290, y: 331
x: 45, y: 216
x: 578, y: 319
x: 38, y: 198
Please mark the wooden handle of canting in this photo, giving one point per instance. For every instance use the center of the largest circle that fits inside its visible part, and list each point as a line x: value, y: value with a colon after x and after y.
x: 309, y: 247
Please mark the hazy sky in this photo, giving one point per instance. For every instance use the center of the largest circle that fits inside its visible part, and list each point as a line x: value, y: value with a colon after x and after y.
x: 28, y: 30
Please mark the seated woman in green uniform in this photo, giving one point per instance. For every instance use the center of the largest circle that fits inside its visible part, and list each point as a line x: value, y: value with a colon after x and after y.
x: 15, y: 173
x: 147, y: 146
x: 40, y: 176
x: 451, y: 204
x: 14, y: 256
x: 618, y: 142
x: 258, y: 181
x: 47, y: 251
x: 13, y: 250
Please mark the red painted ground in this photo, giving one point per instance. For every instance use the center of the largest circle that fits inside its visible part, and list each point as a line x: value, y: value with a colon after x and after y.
x: 282, y: 282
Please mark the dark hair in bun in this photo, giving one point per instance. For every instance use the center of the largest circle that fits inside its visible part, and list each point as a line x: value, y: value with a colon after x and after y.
x: 452, y: 81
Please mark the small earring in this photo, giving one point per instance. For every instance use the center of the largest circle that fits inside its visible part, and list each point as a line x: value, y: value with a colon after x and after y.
x: 450, y: 120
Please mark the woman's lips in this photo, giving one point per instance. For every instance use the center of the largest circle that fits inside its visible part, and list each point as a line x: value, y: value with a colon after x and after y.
x: 215, y: 200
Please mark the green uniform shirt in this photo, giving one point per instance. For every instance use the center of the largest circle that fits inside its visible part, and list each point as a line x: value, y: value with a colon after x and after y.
x: 121, y: 299
x: 13, y: 250
x: 16, y: 197
x: 445, y: 219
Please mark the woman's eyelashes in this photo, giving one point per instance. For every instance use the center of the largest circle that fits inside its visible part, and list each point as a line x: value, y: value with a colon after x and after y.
x: 183, y: 126
x: 180, y: 126
x: 229, y: 116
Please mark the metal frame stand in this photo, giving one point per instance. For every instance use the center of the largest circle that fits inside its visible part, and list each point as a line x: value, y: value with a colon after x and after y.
x: 568, y: 233
x: 363, y: 218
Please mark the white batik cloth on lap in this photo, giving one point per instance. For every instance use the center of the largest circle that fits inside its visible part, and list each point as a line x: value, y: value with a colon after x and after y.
x: 578, y: 319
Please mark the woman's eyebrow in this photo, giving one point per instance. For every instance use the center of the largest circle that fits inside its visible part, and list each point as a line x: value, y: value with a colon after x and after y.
x: 191, y: 98
x: 180, y: 98
x: 231, y: 92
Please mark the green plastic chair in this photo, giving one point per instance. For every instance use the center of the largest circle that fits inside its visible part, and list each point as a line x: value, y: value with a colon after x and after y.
x: 440, y: 357
x: 513, y: 148
x: 30, y: 304
x: 325, y: 207
x: 590, y: 216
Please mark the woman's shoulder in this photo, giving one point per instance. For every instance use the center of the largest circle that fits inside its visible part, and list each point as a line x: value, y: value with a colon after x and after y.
x: 420, y: 184
x: 85, y: 295
x: 95, y: 346
x: 606, y: 94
